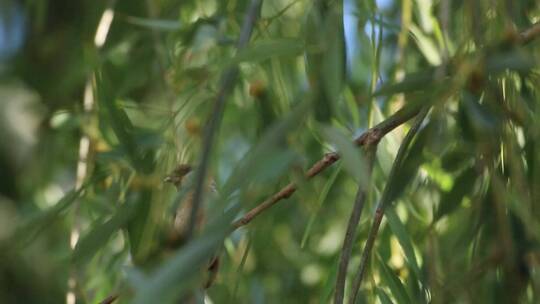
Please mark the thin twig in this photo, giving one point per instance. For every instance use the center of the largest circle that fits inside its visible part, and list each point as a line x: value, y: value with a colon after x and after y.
x: 383, y: 203
x: 109, y: 299
x: 227, y: 83
x: 369, y: 137
x: 354, y: 220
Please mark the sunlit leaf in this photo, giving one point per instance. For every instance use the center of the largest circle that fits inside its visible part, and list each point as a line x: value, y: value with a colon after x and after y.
x: 426, y: 46
x: 390, y: 278
x: 383, y: 297
x: 403, y: 237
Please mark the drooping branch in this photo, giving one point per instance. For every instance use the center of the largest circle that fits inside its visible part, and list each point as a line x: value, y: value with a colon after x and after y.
x: 370, y: 137
x: 228, y: 79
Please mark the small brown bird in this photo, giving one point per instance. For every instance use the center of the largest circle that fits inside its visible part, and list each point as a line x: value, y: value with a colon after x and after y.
x: 180, y: 177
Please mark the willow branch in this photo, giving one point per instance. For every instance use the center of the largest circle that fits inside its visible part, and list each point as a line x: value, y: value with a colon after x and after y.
x: 229, y: 77
x: 383, y: 203
x: 352, y: 226
x: 370, y: 137
x: 529, y: 34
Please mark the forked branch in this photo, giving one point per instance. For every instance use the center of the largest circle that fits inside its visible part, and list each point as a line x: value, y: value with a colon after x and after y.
x: 384, y: 202
x: 370, y: 137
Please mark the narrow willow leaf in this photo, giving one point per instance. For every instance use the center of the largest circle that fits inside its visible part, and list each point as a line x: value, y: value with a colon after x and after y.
x: 333, y: 65
x: 121, y: 125
x: 329, y: 284
x: 270, y: 141
x: 267, y: 49
x: 320, y: 202
x: 98, y: 237
x: 451, y: 200
x: 426, y: 46
x: 403, y: 237
x: 403, y: 177
x: 155, y: 24
x: 240, y: 268
x: 397, y: 288
x: 516, y: 61
x: 418, y: 81
x: 425, y: 8
x: 383, y: 297
x: 174, y: 277
x: 352, y: 157
x: 456, y: 158
x: 141, y: 226
x: 325, y: 56
x: 485, y: 124
x: 36, y: 223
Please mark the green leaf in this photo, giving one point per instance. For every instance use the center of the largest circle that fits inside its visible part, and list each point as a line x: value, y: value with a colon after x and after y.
x: 322, y: 198
x: 122, y: 125
x: 100, y: 234
x: 418, y: 81
x: 397, y: 288
x: 333, y: 64
x: 352, y: 156
x: 451, y: 200
x: 175, y: 276
x: 273, y: 140
x: 329, y: 284
x: 383, y: 297
x: 426, y: 46
x: 38, y: 222
x: 403, y: 237
x: 154, y: 24
x: 267, y: 49
x: 456, y: 158
x: 515, y: 60
x: 408, y: 168
x: 325, y: 57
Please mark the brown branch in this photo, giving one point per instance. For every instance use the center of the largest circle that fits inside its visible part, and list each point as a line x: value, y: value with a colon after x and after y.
x: 529, y: 34
x: 109, y: 299
x: 352, y: 226
x: 370, y: 137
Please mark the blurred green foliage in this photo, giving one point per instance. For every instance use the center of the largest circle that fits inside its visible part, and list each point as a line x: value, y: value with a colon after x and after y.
x: 104, y: 98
